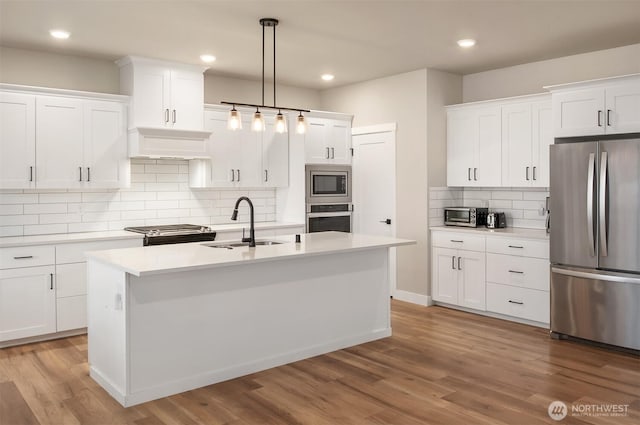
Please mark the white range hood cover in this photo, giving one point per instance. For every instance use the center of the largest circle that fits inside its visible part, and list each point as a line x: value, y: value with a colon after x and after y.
x: 153, y: 142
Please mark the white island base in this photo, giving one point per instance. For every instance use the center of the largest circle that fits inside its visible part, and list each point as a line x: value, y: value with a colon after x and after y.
x: 155, y: 335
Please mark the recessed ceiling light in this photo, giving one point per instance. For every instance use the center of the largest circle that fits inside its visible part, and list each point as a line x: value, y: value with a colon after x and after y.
x: 467, y: 42
x: 207, y: 58
x: 60, y: 34
x: 328, y: 77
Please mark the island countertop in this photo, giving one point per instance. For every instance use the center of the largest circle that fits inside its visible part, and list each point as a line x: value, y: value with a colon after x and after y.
x: 149, y: 260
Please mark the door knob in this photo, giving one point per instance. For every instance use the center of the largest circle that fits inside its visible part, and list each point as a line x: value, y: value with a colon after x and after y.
x: 387, y: 221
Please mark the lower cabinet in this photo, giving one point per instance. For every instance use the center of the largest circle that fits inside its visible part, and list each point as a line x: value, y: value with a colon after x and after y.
x: 459, y: 277
x: 508, y: 276
x: 27, y: 302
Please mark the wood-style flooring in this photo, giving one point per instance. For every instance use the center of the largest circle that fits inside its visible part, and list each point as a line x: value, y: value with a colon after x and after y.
x: 440, y: 366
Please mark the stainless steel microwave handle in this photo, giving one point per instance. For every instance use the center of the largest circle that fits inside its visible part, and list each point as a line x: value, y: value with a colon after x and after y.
x: 590, y: 186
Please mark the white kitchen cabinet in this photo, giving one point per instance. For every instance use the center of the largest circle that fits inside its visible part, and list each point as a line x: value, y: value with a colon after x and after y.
x: 445, y: 275
x: 241, y: 158
x: 27, y: 302
x: 458, y: 277
x: 526, y: 137
x: 17, y: 140
x: 474, y: 145
x: 328, y: 141
x: 607, y: 106
x: 59, y: 141
x: 163, y: 94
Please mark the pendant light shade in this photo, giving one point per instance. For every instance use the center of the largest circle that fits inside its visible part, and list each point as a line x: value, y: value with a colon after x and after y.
x: 301, y: 124
x: 281, y: 123
x: 235, y: 120
x: 258, y: 121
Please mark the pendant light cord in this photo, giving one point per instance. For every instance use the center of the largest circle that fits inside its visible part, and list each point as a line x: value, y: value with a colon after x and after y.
x: 263, y: 64
x: 274, y: 66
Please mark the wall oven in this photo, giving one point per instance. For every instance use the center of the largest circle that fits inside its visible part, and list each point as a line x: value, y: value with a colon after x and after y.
x: 329, y: 217
x: 328, y: 184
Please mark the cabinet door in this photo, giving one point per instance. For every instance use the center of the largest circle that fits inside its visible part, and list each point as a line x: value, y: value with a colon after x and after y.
x: 578, y: 113
x: 488, y: 150
x: 151, y: 97
x: 187, y: 100
x: 315, y: 142
x: 275, y: 157
x: 250, y: 172
x: 542, y: 136
x: 461, y: 147
x: 225, y: 150
x: 339, y: 140
x: 17, y: 140
x: 517, y: 167
x: 623, y: 108
x: 105, y: 145
x: 27, y: 302
x: 471, y: 282
x: 59, y: 154
x: 445, y: 275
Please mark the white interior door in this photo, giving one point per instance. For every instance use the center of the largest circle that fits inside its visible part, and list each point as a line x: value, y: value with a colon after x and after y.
x: 374, y: 186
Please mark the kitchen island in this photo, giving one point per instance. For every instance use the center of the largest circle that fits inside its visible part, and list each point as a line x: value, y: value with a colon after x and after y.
x: 167, y: 319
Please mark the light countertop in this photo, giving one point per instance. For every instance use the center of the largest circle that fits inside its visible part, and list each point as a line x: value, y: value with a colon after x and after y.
x: 509, y: 232
x: 60, y: 238
x: 160, y: 259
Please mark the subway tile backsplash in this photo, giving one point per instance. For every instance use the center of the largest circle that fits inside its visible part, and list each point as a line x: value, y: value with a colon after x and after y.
x: 523, y: 207
x: 159, y: 194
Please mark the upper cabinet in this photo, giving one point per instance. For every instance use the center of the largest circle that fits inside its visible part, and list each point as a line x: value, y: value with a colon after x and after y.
x: 328, y: 140
x: 17, y: 140
x: 163, y: 94
x: 241, y: 158
x: 499, y: 143
x: 590, y: 108
x: 62, y: 142
x: 166, y: 108
x: 526, y: 137
x: 473, y: 145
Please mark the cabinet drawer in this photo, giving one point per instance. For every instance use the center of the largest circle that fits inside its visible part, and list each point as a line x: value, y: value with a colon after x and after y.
x: 71, y: 279
x: 458, y: 241
x: 71, y: 313
x: 525, y: 303
x: 74, y: 252
x: 519, y: 247
x: 525, y: 272
x: 27, y: 256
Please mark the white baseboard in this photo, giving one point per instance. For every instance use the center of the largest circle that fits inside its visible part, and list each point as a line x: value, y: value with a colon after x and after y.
x: 494, y: 315
x: 412, y: 297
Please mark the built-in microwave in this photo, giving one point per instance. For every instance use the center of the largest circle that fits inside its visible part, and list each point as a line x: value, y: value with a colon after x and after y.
x: 465, y: 216
x: 328, y: 184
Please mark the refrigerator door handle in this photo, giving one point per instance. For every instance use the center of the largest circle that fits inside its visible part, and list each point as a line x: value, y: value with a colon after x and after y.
x: 602, y: 204
x: 597, y: 276
x: 590, y: 186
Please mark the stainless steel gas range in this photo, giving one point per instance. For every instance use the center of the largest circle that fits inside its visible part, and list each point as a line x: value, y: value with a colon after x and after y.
x: 174, y: 233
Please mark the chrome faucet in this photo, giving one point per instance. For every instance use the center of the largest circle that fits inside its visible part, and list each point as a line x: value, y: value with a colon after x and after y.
x: 252, y: 232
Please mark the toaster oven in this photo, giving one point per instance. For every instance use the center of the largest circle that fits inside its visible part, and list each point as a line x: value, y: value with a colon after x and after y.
x: 465, y: 216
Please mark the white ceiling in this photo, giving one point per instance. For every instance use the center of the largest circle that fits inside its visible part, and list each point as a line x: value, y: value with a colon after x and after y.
x: 356, y: 40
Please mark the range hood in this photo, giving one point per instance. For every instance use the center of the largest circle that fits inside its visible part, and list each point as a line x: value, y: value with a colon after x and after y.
x: 153, y: 142
x: 166, y: 111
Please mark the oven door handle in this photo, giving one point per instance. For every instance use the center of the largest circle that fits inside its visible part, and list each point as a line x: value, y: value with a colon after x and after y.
x: 330, y: 214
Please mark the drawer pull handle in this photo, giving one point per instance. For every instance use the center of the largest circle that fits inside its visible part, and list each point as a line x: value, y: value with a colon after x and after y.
x: 459, y: 259
x: 51, y: 277
x: 453, y: 262
x: 515, y: 271
x: 516, y: 302
x: 453, y: 240
x: 25, y: 257
x: 515, y: 246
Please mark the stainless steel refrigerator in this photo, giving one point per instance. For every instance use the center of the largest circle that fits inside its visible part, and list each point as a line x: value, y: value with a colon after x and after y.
x: 595, y: 241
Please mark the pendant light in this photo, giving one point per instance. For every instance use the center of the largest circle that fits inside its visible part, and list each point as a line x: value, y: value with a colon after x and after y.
x: 235, y: 119
x: 258, y: 123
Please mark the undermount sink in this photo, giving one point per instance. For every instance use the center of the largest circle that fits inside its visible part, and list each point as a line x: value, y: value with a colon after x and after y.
x: 231, y: 245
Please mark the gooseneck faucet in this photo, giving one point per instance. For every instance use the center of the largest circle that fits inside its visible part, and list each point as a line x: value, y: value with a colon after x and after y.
x: 234, y: 216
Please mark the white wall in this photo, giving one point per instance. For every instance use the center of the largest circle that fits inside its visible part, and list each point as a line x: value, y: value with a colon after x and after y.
x: 401, y: 99
x: 159, y: 194
x: 531, y: 77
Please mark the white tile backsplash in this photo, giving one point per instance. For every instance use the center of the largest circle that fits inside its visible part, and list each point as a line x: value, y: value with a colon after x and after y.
x: 159, y: 194
x: 523, y: 207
